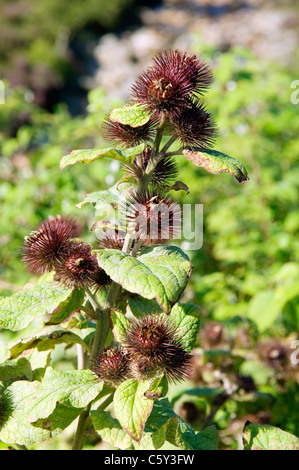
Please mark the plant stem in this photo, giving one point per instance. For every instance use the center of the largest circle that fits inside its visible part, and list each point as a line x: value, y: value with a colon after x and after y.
x: 102, y: 328
x: 159, y: 135
x: 167, y: 145
x: 99, y: 340
x: 106, y: 402
x: 81, y: 428
x: 92, y: 300
x: 175, y: 152
x: 80, y: 357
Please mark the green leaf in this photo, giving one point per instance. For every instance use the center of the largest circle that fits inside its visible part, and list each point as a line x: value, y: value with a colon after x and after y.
x: 15, y: 370
x: 134, y: 116
x: 161, y: 273
x: 217, y: 162
x: 208, y: 393
x: 208, y: 438
x: 90, y: 155
x: 179, y: 433
x: 110, y: 198
x: 158, y: 388
x: 162, y: 423
x: 60, y: 419
x: 40, y: 361
x: 186, y: 318
x: 66, y: 308
x: 266, y: 437
x: 120, y: 325
x: 100, y: 198
x: 16, y: 429
x: 140, y: 306
x: 187, y: 439
x: 47, y: 341
x: 111, y: 431
x: 17, y: 311
x: 131, y: 407
x: 74, y: 388
x: 266, y: 306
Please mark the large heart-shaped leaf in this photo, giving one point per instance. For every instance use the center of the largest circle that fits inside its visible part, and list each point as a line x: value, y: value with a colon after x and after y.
x: 16, y: 429
x: 161, y: 272
x: 17, y: 311
x: 74, y: 388
x: 218, y: 162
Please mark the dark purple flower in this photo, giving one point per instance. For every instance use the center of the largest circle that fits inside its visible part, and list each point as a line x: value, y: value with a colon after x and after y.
x: 155, y: 218
x: 166, y: 86
x: 154, y: 348
x: 128, y: 136
x: 195, y: 127
x: 80, y: 268
x: 112, y: 366
x: 47, y: 246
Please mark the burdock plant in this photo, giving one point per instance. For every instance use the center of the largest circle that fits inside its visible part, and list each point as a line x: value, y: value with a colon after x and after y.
x: 120, y: 300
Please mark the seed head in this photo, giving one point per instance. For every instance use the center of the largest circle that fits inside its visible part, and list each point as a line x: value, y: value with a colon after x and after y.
x: 128, y: 136
x: 195, y: 127
x: 154, y: 217
x: 114, y: 240
x: 154, y: 347
x: 165, y: 87
x: 47, y: 246
x: 80, y: 268
x: 274, y: 353
x: 112, y: 366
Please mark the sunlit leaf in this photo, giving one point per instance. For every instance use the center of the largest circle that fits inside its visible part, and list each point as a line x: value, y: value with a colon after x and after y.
x: 161, y: 273
x: 217, y: 162
x: 90, y: 155
x: 266, y: 437
x: 134, y: 116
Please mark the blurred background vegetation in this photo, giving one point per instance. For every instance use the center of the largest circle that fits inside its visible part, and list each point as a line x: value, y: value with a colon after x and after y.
x: 64, y: 66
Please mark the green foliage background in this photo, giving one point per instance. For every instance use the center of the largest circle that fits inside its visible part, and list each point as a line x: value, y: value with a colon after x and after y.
x: 245, y: 276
